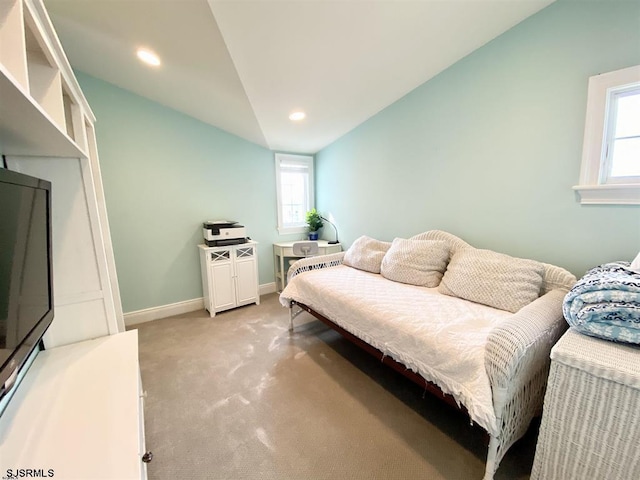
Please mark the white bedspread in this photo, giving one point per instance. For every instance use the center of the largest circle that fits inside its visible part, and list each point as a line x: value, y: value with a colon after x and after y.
x: 440, y: 337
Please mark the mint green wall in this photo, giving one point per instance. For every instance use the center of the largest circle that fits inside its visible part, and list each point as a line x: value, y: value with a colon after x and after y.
x: 164, y: 173
x: 490, y: 148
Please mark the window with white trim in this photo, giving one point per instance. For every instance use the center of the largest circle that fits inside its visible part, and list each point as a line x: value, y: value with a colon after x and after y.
x: 610, y: 171
x: 294, y: 186
x: 622, y: 155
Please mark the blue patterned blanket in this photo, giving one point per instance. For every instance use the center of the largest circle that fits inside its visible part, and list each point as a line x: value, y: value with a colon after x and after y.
x: 605, y: 303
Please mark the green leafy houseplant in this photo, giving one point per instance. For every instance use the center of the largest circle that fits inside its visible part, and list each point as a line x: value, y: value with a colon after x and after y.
x: 314, y: 220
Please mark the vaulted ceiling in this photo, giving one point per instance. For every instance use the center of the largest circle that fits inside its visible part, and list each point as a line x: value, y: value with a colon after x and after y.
x: 244, y: 66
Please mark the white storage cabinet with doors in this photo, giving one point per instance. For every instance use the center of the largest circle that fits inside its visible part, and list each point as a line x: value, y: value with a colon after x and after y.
x: 229, y: 276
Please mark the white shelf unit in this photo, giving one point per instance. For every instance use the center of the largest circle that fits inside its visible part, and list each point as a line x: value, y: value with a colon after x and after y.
x: 77, y: 412
x: 78, y: 408
x: 34, y: 78
x: 229, y: 276
x: 46, y: 130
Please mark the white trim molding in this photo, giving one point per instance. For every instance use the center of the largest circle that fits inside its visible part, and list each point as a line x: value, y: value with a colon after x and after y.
x: 267, y: 288
x: 609, y: 194
x: 163, y: 311
x: 178, y: 308
x: 300, y: 164
x: 592, y: 188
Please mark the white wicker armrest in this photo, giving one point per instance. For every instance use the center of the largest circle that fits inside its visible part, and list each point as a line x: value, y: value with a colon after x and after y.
x: 313, y: 263
x: 517, y: 363
x: 524, y: 341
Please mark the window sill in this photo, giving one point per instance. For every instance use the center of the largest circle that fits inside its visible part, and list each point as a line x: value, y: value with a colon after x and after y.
x: 624, y: 194
x: 292, y: 230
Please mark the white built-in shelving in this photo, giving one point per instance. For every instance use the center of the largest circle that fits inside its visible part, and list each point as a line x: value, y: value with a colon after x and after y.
x: 37, y: 88
x: 47, y: 131
x: 76, y: 414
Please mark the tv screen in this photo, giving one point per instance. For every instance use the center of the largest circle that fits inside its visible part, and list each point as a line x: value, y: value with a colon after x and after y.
x: 26, y: 286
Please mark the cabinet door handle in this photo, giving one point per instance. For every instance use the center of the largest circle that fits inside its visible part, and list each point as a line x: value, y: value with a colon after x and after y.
x: 147, y: 457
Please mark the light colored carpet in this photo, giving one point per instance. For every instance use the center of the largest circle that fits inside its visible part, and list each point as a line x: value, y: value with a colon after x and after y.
x: 237, y: 397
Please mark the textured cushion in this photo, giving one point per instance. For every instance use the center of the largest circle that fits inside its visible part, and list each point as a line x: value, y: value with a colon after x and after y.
x: 366, y: 254
x: 492, y: 278
x: 417, y: 262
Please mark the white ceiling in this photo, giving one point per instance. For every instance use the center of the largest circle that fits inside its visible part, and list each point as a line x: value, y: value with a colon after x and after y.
x: 245, y: 65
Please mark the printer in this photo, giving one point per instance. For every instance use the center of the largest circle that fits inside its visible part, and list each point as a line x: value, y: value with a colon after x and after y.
x: 220, y: 233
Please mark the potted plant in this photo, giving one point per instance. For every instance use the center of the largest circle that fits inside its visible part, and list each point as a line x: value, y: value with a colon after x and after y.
x: 314, y: 221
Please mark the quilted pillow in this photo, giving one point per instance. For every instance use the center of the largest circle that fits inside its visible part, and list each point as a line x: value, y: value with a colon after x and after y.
x: 366, y: 254
x: 417, y: 262
x: 493, y: 279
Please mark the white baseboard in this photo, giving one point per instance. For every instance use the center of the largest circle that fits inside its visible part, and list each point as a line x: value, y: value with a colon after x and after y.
x: 267, y: 288
x: 178, y: 308
x: 163, y: 311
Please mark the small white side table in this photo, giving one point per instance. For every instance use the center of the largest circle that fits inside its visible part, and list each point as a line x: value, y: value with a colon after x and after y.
x: 591, y: 421
x: 283, y: 250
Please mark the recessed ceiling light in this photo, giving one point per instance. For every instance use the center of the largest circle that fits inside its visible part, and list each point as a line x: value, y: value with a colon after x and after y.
x: 148, y: 57
x: 297, y: 116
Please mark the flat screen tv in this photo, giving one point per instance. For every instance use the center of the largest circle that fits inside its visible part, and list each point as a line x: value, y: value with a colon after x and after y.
x: 26, y: 280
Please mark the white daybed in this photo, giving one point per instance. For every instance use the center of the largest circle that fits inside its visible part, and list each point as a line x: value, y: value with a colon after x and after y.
x: 491, y: 361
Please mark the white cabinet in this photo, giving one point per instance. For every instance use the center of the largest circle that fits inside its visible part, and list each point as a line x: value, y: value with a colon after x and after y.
x: 229, y: 276
x: 78, y: 412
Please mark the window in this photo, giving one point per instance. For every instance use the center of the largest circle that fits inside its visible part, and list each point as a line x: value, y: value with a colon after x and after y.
x: 610, y: 171
x: 294, y: 184
x: 622, y: 155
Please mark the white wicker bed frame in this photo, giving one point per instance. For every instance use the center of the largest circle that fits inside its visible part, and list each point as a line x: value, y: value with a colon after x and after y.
x: 516, y: 356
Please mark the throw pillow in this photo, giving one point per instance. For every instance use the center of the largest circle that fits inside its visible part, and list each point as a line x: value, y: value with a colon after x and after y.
x: 416, y: 262
x: 493, y: 279
x: 366, y: 254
